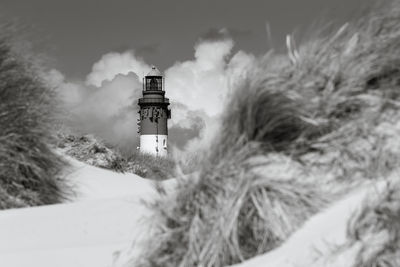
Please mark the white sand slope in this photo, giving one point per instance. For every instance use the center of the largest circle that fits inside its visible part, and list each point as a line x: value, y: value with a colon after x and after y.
x: 104, y: 217
x: 91, y: 183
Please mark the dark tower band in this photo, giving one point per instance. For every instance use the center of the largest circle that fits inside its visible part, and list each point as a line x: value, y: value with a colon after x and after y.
x: 154, y: 115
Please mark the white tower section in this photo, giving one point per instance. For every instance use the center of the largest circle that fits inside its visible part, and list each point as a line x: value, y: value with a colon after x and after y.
x: 154, y: 144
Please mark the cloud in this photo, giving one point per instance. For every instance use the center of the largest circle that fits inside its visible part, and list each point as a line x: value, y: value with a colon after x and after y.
x: 112, y: 64
x: 191, y: 130
x: 203, y: 85
x: 186, y: 125
x: 70, y: 92
x: 111, y: 110
x: 108, y: 111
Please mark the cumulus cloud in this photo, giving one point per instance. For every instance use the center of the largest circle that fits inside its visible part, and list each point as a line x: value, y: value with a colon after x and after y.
x: 105, y: 104
x: 186, y: 125
x: 71, y: 92
x: 203, y: 85
x: 108, y: 111
x: 112, y: 64
x: 111, y: 110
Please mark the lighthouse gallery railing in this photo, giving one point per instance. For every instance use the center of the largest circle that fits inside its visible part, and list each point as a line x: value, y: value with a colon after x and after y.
x: 153, y: 100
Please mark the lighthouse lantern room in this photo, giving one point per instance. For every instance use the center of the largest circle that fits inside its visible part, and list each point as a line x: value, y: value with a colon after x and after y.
x: 154, y: 114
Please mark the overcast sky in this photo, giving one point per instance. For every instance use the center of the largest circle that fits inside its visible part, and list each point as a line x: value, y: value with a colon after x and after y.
x: 76, y: 33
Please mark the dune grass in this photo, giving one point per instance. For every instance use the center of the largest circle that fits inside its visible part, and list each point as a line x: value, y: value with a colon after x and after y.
x: 94, y: 151
x: 330, y: 109
x: 375, y: 228
x: 150, y: 166
x: 29, y: 169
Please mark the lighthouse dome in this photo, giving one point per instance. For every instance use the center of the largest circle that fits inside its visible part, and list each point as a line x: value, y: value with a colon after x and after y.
x: 154, y: 72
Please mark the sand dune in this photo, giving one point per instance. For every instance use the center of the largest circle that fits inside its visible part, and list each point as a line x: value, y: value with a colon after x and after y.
x: 105, y: 216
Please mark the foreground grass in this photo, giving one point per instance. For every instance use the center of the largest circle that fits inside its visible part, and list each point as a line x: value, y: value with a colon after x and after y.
x: 329, y: 111
x: 29, y: 169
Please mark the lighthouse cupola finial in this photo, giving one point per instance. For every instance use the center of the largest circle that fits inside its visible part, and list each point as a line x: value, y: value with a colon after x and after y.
x: 154, y: 72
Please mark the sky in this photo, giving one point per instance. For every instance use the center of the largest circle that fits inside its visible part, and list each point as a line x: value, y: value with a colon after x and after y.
x: 97, y: 51
x: 76, y: 33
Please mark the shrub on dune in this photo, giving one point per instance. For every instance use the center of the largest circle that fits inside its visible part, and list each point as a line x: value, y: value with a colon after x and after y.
x: 94, y: 151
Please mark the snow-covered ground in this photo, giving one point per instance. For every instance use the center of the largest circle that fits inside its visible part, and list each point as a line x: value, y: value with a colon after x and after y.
x: 105, y: 216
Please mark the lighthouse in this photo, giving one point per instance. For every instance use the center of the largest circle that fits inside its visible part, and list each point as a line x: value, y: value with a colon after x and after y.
x: 154, y: 115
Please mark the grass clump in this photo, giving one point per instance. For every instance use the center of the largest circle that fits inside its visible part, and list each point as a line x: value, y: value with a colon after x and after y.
x: 28, y: 167
x: 149, y: 166
x: 220, y: 216
x: 95, y: 152
x: 330, y: 112
x: 375, y: 229
x: 88, y: 149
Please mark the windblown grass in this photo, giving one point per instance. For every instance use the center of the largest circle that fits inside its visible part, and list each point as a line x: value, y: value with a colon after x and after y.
x: 375, y: 229
x: 332, y: 113
x: 149, y: 166
x: 28, y: 167
x: 220, y: 217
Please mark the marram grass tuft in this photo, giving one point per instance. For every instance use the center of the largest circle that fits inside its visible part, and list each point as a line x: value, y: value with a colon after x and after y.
x: 300, y: 131
x: 29, y: 168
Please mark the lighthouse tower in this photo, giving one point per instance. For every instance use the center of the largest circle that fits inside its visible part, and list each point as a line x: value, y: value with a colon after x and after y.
x: 154, y: 114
